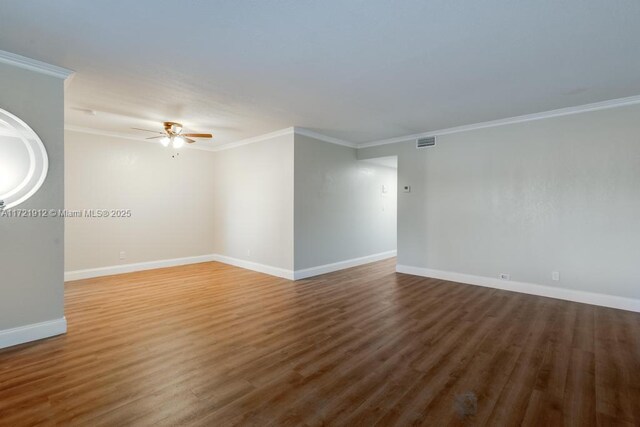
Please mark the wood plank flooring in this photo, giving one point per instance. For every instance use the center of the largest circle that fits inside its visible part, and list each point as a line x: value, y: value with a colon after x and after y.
x: 214, y: 345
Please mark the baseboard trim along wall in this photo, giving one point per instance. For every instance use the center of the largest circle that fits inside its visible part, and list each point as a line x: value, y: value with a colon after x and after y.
x: 35, y: 331
x: 341, y: 265
x: 250, y: 265
x: 130, y: 268
x: 151, y: 265
x: 603, y: 300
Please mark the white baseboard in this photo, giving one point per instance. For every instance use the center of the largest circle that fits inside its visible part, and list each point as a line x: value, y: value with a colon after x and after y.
x: 604, y: 300
x: 341, y: 265
x: 250, y: 265
x: 151, y: 265
x: 130, y: 268
x: 35, y: 331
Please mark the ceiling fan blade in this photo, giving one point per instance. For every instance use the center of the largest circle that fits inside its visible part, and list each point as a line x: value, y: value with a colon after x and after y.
x: 147, y: 130
x: 155, y: 137
x: 189, y: 140
x: 198, y: 135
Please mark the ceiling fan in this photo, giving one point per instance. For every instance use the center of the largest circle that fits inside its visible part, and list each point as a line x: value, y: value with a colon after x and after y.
x: 173, y: 135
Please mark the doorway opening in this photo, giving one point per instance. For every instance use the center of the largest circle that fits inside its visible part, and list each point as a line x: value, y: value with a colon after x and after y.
x: 383, y: 199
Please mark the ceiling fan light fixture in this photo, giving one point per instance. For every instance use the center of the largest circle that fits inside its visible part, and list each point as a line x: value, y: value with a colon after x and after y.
x: 178, y: 141
x: 172, y: 135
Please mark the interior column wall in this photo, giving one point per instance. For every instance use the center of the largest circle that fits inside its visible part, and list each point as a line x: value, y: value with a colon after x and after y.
x: 31, y: 248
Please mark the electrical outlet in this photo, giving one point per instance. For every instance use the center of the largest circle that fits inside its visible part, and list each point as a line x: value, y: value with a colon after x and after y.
x: 555, y: 276
x: 123, y: 255
x: 384, y: 188
x: 504, y: 276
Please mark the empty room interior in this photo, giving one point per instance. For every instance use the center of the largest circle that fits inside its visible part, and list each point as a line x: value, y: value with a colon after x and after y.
x: 306, y: 213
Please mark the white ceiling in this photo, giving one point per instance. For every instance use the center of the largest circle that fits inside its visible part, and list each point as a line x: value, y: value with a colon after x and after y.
x: 358, y: 70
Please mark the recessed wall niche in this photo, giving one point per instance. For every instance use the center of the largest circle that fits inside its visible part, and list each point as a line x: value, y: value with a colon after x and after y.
x: 23, y: 161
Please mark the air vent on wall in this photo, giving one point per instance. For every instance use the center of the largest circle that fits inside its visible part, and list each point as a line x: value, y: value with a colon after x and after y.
x: 426, y: 142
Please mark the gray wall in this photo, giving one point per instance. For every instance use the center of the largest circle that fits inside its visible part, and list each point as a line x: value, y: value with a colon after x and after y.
x: 253, y: 202
x: 170, y: 199
x: 31, y: 249
x: 340, y: 210
x: 411, y: 243
x: 559, y: 194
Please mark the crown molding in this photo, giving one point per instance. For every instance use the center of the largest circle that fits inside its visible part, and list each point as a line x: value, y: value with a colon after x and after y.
x: 247, y: 141
x: 603, y: 105
x: 100, y: 132
x: 321, y: 137
x: 34, y: 65
x: 228, y: 146
x: 613, y: 103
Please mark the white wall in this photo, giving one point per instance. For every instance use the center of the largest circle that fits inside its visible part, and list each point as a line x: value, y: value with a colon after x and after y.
x: 31, y: 249
x: 340, y: 210
x: 233, y: 205
x: 236, y: 205
x: 169, y: 198
x: 559, y: 194
x: 253, y: 201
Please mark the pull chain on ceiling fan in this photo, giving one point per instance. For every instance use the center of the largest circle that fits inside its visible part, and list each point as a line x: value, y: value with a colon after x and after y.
x: 173, y: 135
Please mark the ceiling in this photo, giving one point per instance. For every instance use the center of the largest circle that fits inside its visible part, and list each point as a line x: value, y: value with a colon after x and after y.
x: 358, y: 70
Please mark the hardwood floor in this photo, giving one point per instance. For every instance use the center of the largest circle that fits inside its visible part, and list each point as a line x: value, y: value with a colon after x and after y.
x: 210, y: 344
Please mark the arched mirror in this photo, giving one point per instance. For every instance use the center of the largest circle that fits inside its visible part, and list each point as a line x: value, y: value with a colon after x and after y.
x: 23, y: 161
